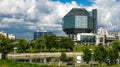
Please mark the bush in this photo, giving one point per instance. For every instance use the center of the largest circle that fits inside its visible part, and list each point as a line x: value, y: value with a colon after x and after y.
x: 63, y: 57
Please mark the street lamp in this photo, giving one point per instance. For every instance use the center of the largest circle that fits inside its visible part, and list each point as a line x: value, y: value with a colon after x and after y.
x: 91, y: 55
x: 15, y: 48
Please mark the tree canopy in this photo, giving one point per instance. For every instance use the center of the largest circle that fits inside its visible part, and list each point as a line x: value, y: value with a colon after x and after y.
x: 40, y: 44
x: 51, y: 41
x: 22, y: 45
x: 67, y: 43
x: 100, y: 54
x: 5, y: 44
x: 87, y: 55
x: 116, y: 45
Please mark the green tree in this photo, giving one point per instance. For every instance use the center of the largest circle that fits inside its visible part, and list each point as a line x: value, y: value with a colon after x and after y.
x: 100, y: 54
x: 31, y: 47
x: 87, y: 55
x: 5, y: 44
x: 114, y: 50
x: 116, y: 45
x: 113, y: 55
x: 22, y: 45
x: 40, y: 44
x: 67, y: 43
x: 51, y: 41
x: 63, y: 56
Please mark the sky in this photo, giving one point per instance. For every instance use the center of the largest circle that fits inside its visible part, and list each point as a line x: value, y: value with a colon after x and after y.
x: 24, y: 17
x: 82, y: 2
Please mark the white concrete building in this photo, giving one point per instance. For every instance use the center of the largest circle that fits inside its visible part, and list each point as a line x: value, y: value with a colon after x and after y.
x: 102, y: 31
x: 11, y: 36
x: 3, y: 33
x: 87, y: 38
x: 103, y: 37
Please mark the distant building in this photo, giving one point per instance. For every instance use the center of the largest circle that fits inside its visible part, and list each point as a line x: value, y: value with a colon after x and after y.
x: 12, y: 36
x: 3, y: 33
x: 104, y: 37
x: 86, y: 38
x: 81, y: 25
x: 79, y: 20
x: 102, y: 31
x: 41, y: 33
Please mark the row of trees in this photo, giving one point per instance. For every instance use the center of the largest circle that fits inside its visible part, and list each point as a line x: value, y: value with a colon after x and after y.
x: 103, y: 54
x: 46, y: 43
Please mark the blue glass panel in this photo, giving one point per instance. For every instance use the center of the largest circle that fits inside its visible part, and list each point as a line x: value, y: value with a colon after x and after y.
x: 80, y: 21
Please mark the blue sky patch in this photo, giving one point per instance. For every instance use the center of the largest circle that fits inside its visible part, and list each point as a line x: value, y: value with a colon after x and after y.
x: 83, y: 2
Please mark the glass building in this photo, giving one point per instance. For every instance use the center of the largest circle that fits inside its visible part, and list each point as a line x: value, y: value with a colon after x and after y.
x: 39, y: 34
x: 79, y: 20
x: 86, y: 38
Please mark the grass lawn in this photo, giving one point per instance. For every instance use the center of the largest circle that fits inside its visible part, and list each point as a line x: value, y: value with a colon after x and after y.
x: 9, y: 63
x: 80, y: 48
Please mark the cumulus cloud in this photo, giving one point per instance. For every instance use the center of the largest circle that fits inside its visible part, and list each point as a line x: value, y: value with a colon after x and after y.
x: 26, y: 16
x: 108, y: 13
x: 23, y: 17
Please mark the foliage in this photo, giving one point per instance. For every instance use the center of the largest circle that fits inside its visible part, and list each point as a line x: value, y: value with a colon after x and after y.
x: 31, y: 47
x: 80, y: 48
x: 116, y: 45
x: 22, y: 45
x: 45, y: 43
x: 40, y: 44
x: 51, y: 41
x: 63, y: 57
x: 5, y: 44
x: 112, y: 55
x: 87, y: 55
x: 9, y: 63
x: 100, y: 54
x: 67, y: 43
x: 113, y: 52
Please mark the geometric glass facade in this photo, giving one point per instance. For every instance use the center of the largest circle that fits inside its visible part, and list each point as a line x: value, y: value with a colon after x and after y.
x: 79, y: 20
x: 69, y: 22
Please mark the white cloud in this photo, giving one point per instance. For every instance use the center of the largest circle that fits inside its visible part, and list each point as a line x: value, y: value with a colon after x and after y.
x: 108, y: 13
x: 10, y: 20
x: 29, y: 15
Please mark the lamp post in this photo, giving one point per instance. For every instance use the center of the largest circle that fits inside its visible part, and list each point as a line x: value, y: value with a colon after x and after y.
x: 15, y: 48
x: 91, y: 55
